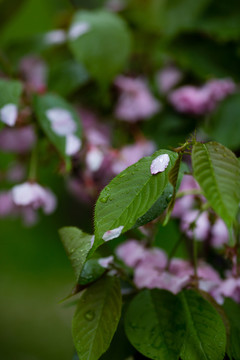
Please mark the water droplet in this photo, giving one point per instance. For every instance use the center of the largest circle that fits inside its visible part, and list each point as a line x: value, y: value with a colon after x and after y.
x: 89, y: 315
x: 104, y: 199
x: 122, y: 175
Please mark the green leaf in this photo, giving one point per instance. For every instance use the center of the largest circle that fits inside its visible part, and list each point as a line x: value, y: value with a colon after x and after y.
x: 154, y: 324
x: 217, y: 171
x: 91, y: 271
x: 232, y: 310
x: 167, y: 17
x: 223, y: 125
x: 66, y: 77
x: 105, y: 45
x: 49, y: 101
x: 130, y: 195
x: 77, y: 245
x: 96, y: 318
x: 157, y: 208
x: 206, y: 335
x: 10, y: 92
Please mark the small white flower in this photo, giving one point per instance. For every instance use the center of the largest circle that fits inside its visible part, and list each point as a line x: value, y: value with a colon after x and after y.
x: 9, y: 114
x: 73, y: 144
x: 94, y: 159
x: 78, y: 29
x: 61, y: 120
x: 105, y: 262
x: 55, y: 37
x: 160, y: 164
x: 112, y: 234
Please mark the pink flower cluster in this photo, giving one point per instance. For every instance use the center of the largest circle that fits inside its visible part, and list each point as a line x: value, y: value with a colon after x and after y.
x: 102, y: 161
x: 186, y: 210
x: 201, y: 100
x: 135, y: 101
x: 24, y: 199
x: 152, y: 270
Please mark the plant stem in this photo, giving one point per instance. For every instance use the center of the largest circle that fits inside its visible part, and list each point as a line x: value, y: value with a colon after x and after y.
x: 195, y: 255
x: 32, y: 176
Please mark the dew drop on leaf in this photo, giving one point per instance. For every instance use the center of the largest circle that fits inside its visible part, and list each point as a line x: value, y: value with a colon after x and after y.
x: 89, y: 315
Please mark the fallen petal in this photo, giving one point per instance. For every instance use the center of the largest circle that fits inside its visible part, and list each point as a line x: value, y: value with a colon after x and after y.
x: 160, y: 164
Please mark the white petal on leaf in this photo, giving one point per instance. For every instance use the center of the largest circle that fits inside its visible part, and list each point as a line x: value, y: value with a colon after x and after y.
x: 112, y: 234
x: 62, y: 122
x: 73, y: 144
x: 55, y: 37
x: 9, y: 114
x: 159, y: 164
x: 78, y: 29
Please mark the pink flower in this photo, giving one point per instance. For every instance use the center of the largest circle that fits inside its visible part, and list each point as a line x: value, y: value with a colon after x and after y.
x: 201, y: 100
x: 219, y: 234
x: 130, y: 154
x: 17, y: 140
x: 228, y: 288
x: 202, y: 224
x: 34, y: 195
x: 105, y: 262
x: 167, y: 78
x: 220, y: 88
x: 6, y: 204
x: 96, y: 133
x: 34, y: 72
x: 192, y: 100
x: 135, y: 101
x: 186, y: 202
x: 131, y: 252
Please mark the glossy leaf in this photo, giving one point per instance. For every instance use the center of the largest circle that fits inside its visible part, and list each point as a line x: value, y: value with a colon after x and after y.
x: 104, y: 46
x: 232, y: 310
x: 91, y: 271
x: 49, y: 101
x: 206, y: 334
x: 96, y: 318
x: 10, y: 91
x: 77, y: 245
x: 130, y: 195
x: 157, y: 208
x: 217, y: 171
x: 154, y: 324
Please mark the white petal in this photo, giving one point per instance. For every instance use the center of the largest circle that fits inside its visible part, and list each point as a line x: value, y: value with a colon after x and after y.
x: 94, y: 159
x: 78, y: 29
x: 62, y: 122
x: 159, y: 164
x: 9, y: 114
x: 105, y: 262
x: 73, y: 145
x: 112, y: 234
x: 23, y: 194
x: 55, y: 37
